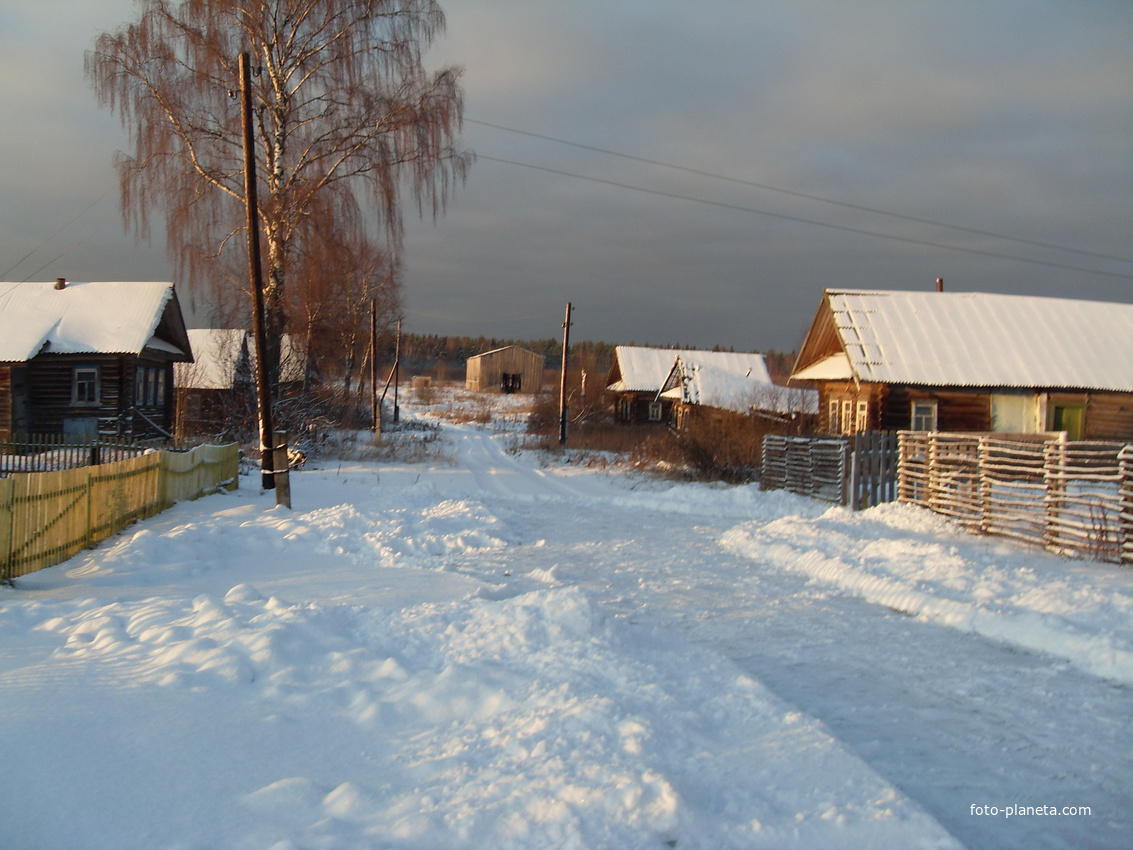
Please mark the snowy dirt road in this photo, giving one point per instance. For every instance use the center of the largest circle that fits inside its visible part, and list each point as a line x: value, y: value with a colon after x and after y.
x: 951, y: 718
x: 490, y: 648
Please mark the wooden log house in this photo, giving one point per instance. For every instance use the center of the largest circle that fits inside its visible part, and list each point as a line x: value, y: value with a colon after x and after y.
x: 89, y: 359
x: 937, y: 361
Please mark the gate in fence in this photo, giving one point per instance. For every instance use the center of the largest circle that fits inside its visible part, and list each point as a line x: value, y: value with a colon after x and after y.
x: 858, y: 471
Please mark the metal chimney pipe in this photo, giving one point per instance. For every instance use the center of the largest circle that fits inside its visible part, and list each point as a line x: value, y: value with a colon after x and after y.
x: 940, y: 284
x: 60, y: 283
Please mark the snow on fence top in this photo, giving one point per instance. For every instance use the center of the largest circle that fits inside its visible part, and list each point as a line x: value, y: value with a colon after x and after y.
x: 979, y: 339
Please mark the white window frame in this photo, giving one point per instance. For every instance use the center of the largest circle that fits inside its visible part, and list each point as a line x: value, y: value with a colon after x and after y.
x: 656, y: 411
x: 861, y: 421
x: 84, y: 379
x: 924, y: 412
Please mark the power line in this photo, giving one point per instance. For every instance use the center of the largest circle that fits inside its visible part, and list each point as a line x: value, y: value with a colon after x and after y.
x: 66, y: 251
x: 800, y: 220
x: 72, y: 220
x: 794, y: 194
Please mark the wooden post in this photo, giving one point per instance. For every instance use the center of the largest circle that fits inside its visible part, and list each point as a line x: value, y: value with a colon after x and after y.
x: 397, y: 373
x: 1054, y: 462
x: 375, y: 410
x: 984, y: 483
x: 563, y: 379
x: 1125, y: 459
x: 281, y: 470
x: 255, y: 276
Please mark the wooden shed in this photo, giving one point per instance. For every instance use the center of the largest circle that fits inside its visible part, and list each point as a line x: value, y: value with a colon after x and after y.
x: 936, y: 361
x: 510, y: 369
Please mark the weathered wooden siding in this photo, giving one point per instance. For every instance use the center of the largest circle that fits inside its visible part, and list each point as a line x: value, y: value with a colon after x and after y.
x: 485, y: 371
x: 50, y: 387
x: 634, y: 408
x: 5, y: 400
x: 1109, y: 416
x: 957, y: 410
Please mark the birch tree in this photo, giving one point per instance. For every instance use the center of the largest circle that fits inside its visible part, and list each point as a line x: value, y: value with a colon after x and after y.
x: 347, y: 118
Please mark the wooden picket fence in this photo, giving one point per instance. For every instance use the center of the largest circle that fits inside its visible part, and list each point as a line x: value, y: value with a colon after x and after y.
x: 53, y: 452
x: 48, y: 517
x: 858, y: 471
x: 1075, y: 498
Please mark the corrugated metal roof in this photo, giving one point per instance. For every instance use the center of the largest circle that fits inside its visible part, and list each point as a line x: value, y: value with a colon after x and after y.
x: 738, y: 383
x: 644, y: 369
x: 985, y: 340
x: 83, y: 318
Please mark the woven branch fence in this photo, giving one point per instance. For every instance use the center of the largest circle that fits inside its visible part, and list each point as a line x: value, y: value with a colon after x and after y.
x: 1075, y: 498
x: 47, y: 517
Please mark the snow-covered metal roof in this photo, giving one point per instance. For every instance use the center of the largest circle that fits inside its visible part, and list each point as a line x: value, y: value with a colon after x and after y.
x: 739, y: 383
x: 985, y: 340
x: 643, y: 369
x: 81, y: 318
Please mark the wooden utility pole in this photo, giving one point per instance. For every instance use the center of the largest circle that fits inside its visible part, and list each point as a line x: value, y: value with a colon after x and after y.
x: 397, y: 373
x: 375, y: 410
x: 256, y: 278
x: 563, y: 380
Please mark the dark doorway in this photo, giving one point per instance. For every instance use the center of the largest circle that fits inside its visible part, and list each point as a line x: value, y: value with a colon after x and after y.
x: 509, y: 383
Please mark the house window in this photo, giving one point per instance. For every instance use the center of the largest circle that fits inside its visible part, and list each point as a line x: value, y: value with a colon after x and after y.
x: 847, y: 415
x: 924, y: 416
x: 139, y: 386
x: 1070, y: 418
x: 862, y: 421
x: 655, y: 411
x: 84, y: 385
x: 160, y: 387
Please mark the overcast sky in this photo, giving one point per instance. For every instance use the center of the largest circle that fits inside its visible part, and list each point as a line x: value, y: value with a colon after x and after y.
x: 1000, y: 118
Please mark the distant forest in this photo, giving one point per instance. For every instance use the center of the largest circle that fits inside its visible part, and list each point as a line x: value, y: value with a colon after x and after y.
x: 430, y: 353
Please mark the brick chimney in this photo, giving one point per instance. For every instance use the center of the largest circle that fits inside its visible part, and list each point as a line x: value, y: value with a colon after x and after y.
x: 940, y: 284
x: 60, y: 283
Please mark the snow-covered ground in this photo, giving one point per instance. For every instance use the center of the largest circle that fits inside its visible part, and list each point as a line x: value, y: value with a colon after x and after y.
x: 489, y: 649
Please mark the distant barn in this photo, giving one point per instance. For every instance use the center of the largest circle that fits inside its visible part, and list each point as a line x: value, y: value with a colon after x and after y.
x: 505, y: 370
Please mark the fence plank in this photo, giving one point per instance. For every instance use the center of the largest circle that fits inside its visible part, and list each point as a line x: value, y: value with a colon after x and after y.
x: 47, y: 517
